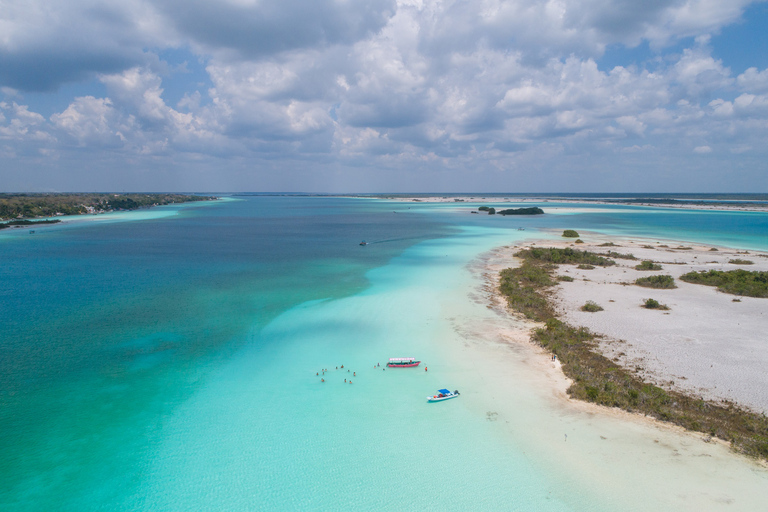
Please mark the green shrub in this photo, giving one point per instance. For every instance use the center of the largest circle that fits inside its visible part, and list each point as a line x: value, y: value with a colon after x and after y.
x: 664, y: 282
x: 584, y: 266
x: 654, y: 304
x: 579, y: 241
x: 591, y: 307
x: 564, y: 256
x: 736, y: 282
x: 608, y: 244
x: 567, y: 279
x: 713, y: 249
x: 569, y: 233
x: 648, y: 265
x: 739, y: 261
x: 614, y: 254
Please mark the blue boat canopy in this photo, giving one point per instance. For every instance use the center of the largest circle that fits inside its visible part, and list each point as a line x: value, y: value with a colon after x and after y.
x: 444, y: 391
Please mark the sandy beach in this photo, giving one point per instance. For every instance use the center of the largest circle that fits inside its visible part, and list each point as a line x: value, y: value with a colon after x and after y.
x: 708, y: 344
x: 626, y: 454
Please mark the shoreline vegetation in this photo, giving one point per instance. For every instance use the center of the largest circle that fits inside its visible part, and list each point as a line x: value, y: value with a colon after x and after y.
x: 597, y: 379
x: 18, y: 207
x: 736, y: 282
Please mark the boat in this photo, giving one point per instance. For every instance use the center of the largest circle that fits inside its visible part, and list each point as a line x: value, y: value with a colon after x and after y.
x: 442, y: 394
x: 363, y: 243
x: 402, y: 362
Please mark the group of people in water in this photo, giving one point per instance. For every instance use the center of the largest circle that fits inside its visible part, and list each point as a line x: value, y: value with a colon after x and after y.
x: 354, y: 374
x: 322, y: 379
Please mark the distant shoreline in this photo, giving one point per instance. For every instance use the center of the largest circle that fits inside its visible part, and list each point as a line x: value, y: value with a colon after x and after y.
x: 688, y: 204
x: 33, y: 207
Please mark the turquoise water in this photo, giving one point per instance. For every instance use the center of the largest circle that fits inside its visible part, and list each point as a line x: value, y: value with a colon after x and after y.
x: 168, y: 362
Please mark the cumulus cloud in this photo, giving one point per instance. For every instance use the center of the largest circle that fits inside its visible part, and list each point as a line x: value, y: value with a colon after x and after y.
x: 389, y: 84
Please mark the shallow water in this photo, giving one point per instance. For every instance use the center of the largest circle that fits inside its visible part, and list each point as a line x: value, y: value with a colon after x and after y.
x: 169, y: 363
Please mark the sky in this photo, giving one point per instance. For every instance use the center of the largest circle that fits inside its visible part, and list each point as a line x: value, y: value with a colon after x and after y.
x: 345, y: 96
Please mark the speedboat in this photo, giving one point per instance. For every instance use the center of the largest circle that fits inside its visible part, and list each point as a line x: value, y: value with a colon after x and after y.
x: 363, y: 243
x: 403, y: 362
x: 442, y: 394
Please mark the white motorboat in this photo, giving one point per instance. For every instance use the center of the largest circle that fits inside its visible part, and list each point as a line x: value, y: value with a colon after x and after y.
x: 442, y: 394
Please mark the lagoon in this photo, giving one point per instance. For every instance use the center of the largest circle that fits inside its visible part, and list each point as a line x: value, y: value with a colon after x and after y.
x: 169, y: 363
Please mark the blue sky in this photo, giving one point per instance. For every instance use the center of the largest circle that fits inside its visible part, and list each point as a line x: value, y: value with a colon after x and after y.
x: 384, y: 95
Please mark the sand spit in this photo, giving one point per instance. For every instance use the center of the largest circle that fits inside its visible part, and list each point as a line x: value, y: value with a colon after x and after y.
x: 605, y: 457
x: 709, y: 344
x: 747, y: 207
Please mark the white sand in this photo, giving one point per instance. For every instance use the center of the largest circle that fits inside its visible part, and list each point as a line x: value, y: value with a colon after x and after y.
x: 625, y: 461
x: 706, y: 344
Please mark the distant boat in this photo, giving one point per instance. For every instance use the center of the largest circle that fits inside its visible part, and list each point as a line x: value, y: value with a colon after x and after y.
x: 363, y: 243
x: 521, y: 229
x: 402, y: 362
x: 442, y: 394
x: 31, y: 231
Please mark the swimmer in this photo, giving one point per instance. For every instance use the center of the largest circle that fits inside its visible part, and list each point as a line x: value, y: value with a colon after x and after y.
x: 317, y: 373
x: 354, y: 374
x: 342, y: 367
x: 425, y: 368
x: 345, y: 381
x: 322, y: 380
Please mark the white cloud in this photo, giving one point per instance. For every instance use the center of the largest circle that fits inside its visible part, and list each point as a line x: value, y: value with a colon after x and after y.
x: 702, y: 150
x: 490, y: 85
x: 753, y: 80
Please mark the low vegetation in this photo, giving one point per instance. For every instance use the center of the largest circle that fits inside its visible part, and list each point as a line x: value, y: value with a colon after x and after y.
x: 564, y: 256
x: 584, y: 266
x: 591, y: 307
x: 26, y: 206
x: 26, y: 222
x: 654, y: 304
x: 579, y: 241
x: 648, y: 265
x: 736, y: 282
x: 567, y: 279
x: 598, y: 379
x: 522, y: 211
x: 618, y: 255
x: 569, y: 233
x: 739, y: 261
x: 609, y: 244
x: 663, y: 282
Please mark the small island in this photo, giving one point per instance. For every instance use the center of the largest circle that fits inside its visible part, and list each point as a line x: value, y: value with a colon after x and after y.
x: 34, y: 206
x: 535, y: 210
x: 512, y: 211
